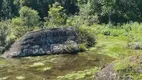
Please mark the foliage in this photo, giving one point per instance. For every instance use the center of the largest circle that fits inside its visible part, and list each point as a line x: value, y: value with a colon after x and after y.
x: 129, y: 68
x: 84, y: 17
x: 113, y: 38
x: 121, y: 65
x: 27, y: 21
x: 86, y: 36
x: 113, y: 11
x: 119, y: 41
x: 7, y: 9
x: 56, y: 15
x: 42, y: 6
x: 82, y: 47
x: 29, y: 17
x: 6, y: 37
x: 118, y: 11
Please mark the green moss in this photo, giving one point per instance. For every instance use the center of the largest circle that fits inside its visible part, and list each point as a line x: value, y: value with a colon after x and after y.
x: 3, y: 62
x: 137, y: 77
x: 113, y: 46
x: 82, y: 47
x: 86, y: 36
x: 121, y: 65
x: 82, y: 65
x: 44, y: 69
x: 80, y: 75
x: 129, y: 68
x: 37, y: 64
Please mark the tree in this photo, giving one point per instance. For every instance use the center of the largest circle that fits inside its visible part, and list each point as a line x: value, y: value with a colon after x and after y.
x: 57, y: 16
x: 7, y: 9
x: 5, y: 31
x: 29, y: 17
x: 42, y: 6
x: 27, y: 21
x: 70, y: 6
x: 117, y: 11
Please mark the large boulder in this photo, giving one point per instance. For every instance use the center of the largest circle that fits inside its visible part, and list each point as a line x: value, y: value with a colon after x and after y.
x: 107, y: 73
x: 129, y: 68
x: 43, y: 42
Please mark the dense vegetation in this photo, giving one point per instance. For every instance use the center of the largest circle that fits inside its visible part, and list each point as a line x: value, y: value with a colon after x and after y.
x: 22, y: 16
x: 106, y: 10
x: 115, y: 23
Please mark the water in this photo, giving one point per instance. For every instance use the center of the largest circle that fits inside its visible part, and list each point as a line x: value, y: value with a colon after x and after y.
x: 49, y: 67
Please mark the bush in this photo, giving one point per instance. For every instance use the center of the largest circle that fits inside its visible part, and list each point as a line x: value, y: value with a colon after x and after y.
x: 29, y: 17
x: 5, y: 33
x: 19, y: 29
x: 82, y: 47
x: 27, y: 21
x: 86, y: 36
x: 56, y: 16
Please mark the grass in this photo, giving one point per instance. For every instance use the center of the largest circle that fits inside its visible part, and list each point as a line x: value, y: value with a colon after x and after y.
x: 80, y: 75
x: 114, y: 40
x: 113, y: 46
x: 129, y: 67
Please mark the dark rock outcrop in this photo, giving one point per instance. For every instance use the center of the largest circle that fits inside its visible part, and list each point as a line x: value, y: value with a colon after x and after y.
x: 43, y: 42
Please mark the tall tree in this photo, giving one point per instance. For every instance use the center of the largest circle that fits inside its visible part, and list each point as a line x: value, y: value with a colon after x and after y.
x: 7, y: 9
x: 42, y: 6
x: 118, y: 10
x: 29, y: 17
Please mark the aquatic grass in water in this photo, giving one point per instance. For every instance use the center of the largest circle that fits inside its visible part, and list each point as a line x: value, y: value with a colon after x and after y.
x: 79, y: 75
x: 51, y: 66
x: 37, y: 64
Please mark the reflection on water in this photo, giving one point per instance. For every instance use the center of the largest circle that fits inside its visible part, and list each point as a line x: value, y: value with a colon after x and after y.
x: 49, y: 67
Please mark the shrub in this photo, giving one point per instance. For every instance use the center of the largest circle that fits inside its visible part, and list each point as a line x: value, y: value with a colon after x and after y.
x: 29, y: 17
x: 86, y: 36
x: 56, y: 16
x: 82, y: 47
x: 19, y: 29
x: 27, y: 21
x: 5, y: 39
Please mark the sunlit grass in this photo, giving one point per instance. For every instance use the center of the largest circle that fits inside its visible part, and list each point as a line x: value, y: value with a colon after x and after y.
x: 80, y: 75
